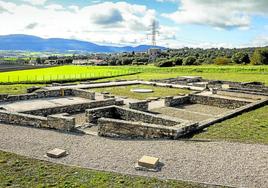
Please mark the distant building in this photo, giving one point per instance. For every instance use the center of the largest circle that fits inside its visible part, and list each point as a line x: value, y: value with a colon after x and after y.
x: 82, y: 62
x: 154, y: 53
x: 97, y: 62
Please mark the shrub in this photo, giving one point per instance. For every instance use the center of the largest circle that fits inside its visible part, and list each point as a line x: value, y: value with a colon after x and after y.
x: 177, y: 60
x: 190, y: 60
x: 165, y: 63
x: 222, y: 61
x: 260, y: 57
x: 199, y: 61
x: 208, y: 61
x: 240, y: 58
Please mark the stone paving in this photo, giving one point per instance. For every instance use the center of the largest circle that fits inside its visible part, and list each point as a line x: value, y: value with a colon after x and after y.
x: 35, y: 104
x: 193, y: 112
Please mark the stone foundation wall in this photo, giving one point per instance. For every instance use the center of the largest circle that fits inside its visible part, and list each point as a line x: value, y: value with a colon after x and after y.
x: 121, y: 113
x: 57, y: 122
x: 94, y: 114
x: 126, y: 129
x: 215, y: 101
x: 61, y: 122
x: 139, y: 105
x: 36, y: 95
x: 139, y: 116
x: 71, y: 109
x: 83, y: 94
x: 22, y: 119
x: 175, y: 101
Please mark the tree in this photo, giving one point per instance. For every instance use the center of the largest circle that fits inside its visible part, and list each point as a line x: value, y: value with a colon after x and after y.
x: 178, y: 60
x: 260, y: 57
x: 222, y: 61
x: 165, y: 63
x: 240, y: 58
x: 39, y: 60
x: 190, y: 60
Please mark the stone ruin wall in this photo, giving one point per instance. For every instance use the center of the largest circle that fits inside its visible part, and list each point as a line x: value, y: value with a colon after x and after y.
x: 205, y: 100
x: 139, y: 105
x: 126, y: 129
x: 53, y: 122
x: 126, y: 114
x: 219, y: 102
x: 47, y: 94
x: 72, y: 109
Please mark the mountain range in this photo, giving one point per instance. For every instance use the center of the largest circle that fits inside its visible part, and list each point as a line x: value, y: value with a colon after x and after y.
x: 37, y: 44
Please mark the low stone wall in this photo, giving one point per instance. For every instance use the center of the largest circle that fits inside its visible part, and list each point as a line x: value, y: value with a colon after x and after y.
x: 71, y: 109
x: 126, y: 129
x: 61, y: 122
x: 216, y: 101
x: 121, y: 113
x: 58, y: 122
x: 22, y: 119
x: 175, y: 101
x: 83, y: 94
x: 139, y: 116
x: 54, y: 93
x: 92, y: 115
x: 12, y: 98
x: 139, y: 105
x: 37, y: 95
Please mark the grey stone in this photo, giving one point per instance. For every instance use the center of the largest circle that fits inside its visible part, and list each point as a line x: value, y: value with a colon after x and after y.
x: 56, y: 153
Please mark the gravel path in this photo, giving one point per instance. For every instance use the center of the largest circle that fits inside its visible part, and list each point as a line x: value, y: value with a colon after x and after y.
x: 233, y: 164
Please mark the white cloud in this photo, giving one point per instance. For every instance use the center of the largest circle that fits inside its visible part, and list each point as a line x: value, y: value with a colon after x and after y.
x: 54, y: 7
x: 162, y: 1
x: 35, y: 2
x: 217, y: 13
x: 104, y: 22
x: 260, y: 40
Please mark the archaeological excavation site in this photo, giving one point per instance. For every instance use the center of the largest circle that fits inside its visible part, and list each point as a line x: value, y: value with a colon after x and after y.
x: 93, y: 108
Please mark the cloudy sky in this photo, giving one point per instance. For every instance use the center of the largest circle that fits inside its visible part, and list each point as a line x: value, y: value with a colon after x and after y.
x: 193, y: 23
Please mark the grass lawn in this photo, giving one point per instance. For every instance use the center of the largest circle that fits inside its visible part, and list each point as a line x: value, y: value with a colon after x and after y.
x: 16, y: 88
x: 158, y: 91
x: 18, y: 171
x: 251, y: 127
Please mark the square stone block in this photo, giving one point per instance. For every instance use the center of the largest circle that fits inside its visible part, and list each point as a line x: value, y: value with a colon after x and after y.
x: 56, y: 153
x: 225, y: 86
x: 148, y: 162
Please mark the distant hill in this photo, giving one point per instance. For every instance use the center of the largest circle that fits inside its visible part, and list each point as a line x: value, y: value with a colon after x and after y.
x: 33, y: 43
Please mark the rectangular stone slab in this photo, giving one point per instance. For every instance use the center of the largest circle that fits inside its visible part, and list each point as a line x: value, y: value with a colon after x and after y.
x: 56, y: 153
x: 148, y: 162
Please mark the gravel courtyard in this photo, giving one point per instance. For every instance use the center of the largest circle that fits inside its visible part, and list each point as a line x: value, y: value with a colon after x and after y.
x: 231, y: 164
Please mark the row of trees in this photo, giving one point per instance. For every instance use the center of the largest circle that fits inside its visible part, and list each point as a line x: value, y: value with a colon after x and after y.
x: 258, y: 57
x: 175, y: 57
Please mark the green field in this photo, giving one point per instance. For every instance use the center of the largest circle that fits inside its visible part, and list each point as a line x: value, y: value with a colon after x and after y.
x: 76, y: 73
x: 18, y: 171
x: 62, y: 73
x: 157, y: 91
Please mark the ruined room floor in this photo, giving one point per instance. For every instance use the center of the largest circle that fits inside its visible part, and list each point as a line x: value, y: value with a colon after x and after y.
x: 231, y: 164
x: 192, y: 112
x: 35, y: 104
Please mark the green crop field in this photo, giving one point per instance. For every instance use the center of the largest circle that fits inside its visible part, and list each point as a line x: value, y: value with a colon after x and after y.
x: 62, y: 73
x: 76, y: 73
